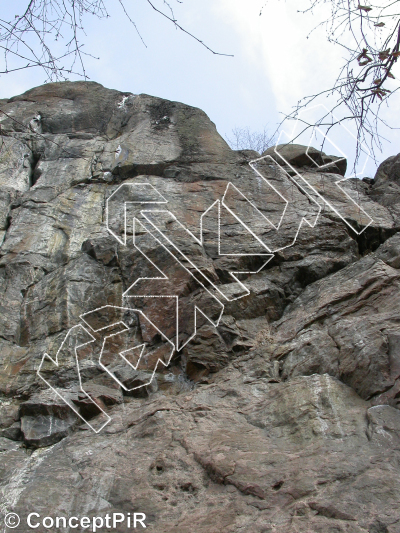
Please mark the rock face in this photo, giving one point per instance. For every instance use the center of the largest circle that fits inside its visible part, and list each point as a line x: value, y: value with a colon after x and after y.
x: 128, y: 227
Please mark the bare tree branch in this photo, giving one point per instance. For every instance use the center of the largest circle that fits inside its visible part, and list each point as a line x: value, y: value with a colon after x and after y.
x: 185, y: 31
x: 48, y: 26
x: 244, y: 139
x: 370, y: 36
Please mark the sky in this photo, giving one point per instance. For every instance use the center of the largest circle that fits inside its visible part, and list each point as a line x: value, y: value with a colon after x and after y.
x: 273, y: 66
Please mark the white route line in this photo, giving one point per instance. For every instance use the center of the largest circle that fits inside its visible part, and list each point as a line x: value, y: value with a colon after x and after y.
x: 77, y: 346
x: 144, y: 189
x: 165, y: 339
x: 123, y: 185
x: 55, y: 362
x: 196, y: 308
x: 337, y: 183
x: 303, y: 219
x: 193, y: 265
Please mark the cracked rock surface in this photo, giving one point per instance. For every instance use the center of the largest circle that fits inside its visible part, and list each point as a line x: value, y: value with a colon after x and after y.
x: 283, y: 418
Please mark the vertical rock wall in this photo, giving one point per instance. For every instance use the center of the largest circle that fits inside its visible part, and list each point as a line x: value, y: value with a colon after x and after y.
x: 281, y: 417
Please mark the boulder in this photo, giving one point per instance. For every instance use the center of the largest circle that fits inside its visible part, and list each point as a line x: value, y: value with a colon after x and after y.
x: 42, y: 430
x: 301, y: 156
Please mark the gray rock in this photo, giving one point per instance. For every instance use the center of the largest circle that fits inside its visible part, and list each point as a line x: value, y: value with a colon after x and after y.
x: 389, y: 251
x: 12, y: 432
x: 9, y: 412
x: 42, y: 430
x: 285, y: 416
x: 7, y: 445
x: 384, y: 423
x: 45, y: 419
x: 15, y: 165
x: 331, y: 315
x: 299, y: 156
x: 386, y: 186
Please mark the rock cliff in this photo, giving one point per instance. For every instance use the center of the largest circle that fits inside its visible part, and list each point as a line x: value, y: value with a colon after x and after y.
x: 129, y: 228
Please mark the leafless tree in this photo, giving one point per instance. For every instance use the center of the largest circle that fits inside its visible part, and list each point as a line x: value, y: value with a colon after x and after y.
x: 244, y: 139
x: 50, y: 34
x: 369, y: 35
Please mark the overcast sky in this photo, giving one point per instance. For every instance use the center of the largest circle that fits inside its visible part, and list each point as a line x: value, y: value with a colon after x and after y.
x: 274, y: 64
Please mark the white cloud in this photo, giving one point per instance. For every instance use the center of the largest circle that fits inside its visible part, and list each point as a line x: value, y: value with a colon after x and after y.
x: 277, y: 43
x: 295, y: 66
